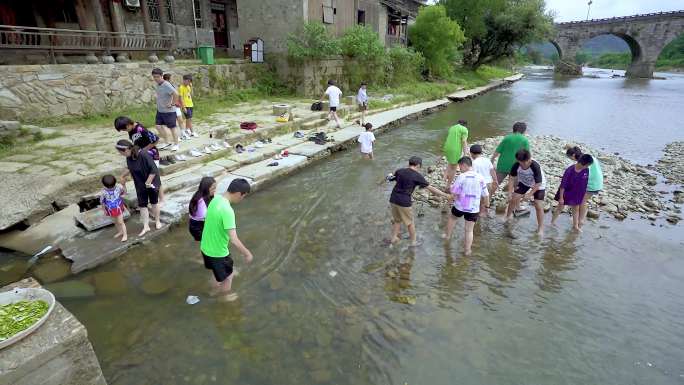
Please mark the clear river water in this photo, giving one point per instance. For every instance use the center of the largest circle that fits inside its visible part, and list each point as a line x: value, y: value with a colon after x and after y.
x: 602, y: 307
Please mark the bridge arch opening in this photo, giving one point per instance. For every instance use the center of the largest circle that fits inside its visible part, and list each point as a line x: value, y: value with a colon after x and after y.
x: 609, y: 50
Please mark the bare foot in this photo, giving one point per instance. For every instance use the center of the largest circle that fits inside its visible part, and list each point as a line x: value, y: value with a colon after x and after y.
x: 117, y: 235
x: 124, y: 238
x: 540, y: 232
x: 144, y: 231
x: 158, y: 225
x: 468, y: 252
x: 230, y: 297
x: 577, y: 229
x: 416, y: 243
x: 394, y: 240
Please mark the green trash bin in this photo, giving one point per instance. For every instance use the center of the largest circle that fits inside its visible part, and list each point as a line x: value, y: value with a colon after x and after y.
x: 206, y: 54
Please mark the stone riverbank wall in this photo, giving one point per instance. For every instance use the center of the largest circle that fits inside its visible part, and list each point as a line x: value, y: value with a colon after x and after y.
x: 57, y: 353
x: 31, y: 92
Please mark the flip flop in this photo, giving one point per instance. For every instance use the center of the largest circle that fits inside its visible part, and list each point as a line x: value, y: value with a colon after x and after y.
x: 272, y: 164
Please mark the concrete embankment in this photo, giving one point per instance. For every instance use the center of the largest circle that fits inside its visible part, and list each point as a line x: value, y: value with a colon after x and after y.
x: 87, y: 250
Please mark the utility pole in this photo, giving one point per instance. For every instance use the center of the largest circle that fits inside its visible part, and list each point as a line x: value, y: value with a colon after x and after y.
x: 589, y: 8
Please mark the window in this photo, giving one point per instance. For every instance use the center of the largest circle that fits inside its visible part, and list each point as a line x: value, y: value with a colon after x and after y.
x: 361, y: 17
x: 328, y: 12
x: 198, y: 13
x: 153, y: 6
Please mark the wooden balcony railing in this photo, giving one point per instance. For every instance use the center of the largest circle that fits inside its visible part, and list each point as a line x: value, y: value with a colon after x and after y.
x: 391, y: 41
x: 71, y: 40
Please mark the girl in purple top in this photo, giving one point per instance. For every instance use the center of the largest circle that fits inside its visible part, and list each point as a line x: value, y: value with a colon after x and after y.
x: 198, y: 206
x: 572, y: 189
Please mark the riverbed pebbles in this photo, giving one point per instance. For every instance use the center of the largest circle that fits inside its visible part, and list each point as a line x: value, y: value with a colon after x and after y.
x: 628, y: 188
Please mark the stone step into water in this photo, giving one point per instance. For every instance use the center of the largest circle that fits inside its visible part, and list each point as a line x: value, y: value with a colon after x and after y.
x: 96, y: 219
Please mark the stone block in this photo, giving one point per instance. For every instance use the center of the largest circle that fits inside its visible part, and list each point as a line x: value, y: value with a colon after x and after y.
x: 96, y: 219
x: 7, y: 125
x: 261, y: 171
x: 50, y: 76
x: 227, y: 164
x: 350, y: 100
x: 57, y: 353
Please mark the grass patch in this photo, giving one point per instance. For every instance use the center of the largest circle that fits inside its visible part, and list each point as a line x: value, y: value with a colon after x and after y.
x: 431, y: 90
x: 25, y: 143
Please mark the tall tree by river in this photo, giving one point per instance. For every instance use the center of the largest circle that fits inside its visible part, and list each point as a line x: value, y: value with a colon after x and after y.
x: 496, y: 28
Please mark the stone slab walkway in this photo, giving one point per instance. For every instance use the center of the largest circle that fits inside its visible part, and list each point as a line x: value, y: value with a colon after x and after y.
x: 87, y: 250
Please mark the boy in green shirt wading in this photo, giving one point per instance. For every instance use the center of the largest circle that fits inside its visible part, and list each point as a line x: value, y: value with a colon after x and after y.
x: 455, y: 147
x: 218, y: 234
x: 509, y: 146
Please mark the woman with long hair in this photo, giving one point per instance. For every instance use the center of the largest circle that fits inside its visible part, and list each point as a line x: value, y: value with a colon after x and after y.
x: 145, y: 174
x: 198, y: 206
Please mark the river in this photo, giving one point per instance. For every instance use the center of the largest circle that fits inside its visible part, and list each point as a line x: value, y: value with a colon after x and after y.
x: 325, y: 302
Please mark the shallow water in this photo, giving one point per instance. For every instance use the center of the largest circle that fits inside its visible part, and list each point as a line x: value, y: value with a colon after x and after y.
x: 602, y: 307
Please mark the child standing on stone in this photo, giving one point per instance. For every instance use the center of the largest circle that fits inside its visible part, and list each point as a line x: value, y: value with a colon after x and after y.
x: 367, y: 139
x: 407, y: 179
x: 187, y: 106
x: 362, y: 100
x: 573, y: 189
x: 112, y: 202
x: 483, y: 166
x: 470, y: 193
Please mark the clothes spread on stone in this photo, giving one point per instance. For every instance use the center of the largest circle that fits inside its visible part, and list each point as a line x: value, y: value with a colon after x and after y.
x: 468, y: 189
x: 530, y: 176
x: 406, y: 181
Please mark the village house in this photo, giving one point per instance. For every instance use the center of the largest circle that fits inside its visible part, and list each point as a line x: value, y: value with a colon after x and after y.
x: 94, y: 31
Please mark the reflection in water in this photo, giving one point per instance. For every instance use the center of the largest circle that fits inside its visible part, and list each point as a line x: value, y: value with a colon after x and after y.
x: 571, y: 308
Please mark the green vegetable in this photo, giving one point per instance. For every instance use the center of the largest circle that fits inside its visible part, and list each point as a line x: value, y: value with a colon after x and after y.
x: 18, y: 316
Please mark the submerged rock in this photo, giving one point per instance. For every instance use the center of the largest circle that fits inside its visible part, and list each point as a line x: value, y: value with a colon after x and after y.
x: 71, y: 289
x: 155, y: 286
x: 109, y: 282
x: 276, y: 281
x: 52, y: 270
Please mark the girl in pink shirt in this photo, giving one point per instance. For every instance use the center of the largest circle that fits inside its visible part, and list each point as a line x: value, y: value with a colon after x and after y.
x: 198, y: 206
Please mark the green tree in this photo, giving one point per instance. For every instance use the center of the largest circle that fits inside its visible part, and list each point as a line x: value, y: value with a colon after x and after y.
x: 361, y: 42
x: 495, y: 29
x: 582, y: 57
x: 312, y: 41
x: 437, y: 37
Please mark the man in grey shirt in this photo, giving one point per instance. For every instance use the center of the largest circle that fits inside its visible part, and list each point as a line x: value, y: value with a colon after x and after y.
x: 167, y: 97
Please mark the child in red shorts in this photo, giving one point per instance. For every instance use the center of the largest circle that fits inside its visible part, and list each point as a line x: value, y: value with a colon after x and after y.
x: 113, y: 204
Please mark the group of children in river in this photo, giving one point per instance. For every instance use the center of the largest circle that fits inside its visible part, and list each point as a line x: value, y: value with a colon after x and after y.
x: 471, y: 179
x: 478, y: 180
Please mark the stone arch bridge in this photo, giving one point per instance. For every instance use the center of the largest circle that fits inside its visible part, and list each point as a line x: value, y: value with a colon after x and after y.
x: 646, y: 36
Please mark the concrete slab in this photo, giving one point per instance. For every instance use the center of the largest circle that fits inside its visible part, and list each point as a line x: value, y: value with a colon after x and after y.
x: 176, y: 206
x: 12, y: 166
x: 311, y: 149
x: 348, y: 133
x: 58, y: 352
x: 223, y: 182
x: 96, y: 219
x: 88, y: 250
x: 514, y: 78
x: 225, y: 163
x: 467, y: 94
x: 260, y: 171
x: 384, y: 118
x: 49, y: 231
x: 247, y: 157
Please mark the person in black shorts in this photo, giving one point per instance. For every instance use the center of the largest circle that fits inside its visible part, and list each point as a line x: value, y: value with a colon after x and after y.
x: 527, y: 181
x: 145, y: 174
x: 469, y: 190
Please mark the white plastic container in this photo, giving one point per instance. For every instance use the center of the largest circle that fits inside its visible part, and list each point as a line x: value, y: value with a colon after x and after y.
x: 28, y: 294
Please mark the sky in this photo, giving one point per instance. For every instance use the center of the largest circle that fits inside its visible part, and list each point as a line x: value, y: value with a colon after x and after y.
x: 568, y: 10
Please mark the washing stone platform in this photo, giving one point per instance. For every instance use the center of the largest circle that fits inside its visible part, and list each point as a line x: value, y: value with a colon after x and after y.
x: 87, y: 250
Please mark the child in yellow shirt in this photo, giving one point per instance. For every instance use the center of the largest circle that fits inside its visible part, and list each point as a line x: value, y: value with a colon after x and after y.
x: 185, y: 92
